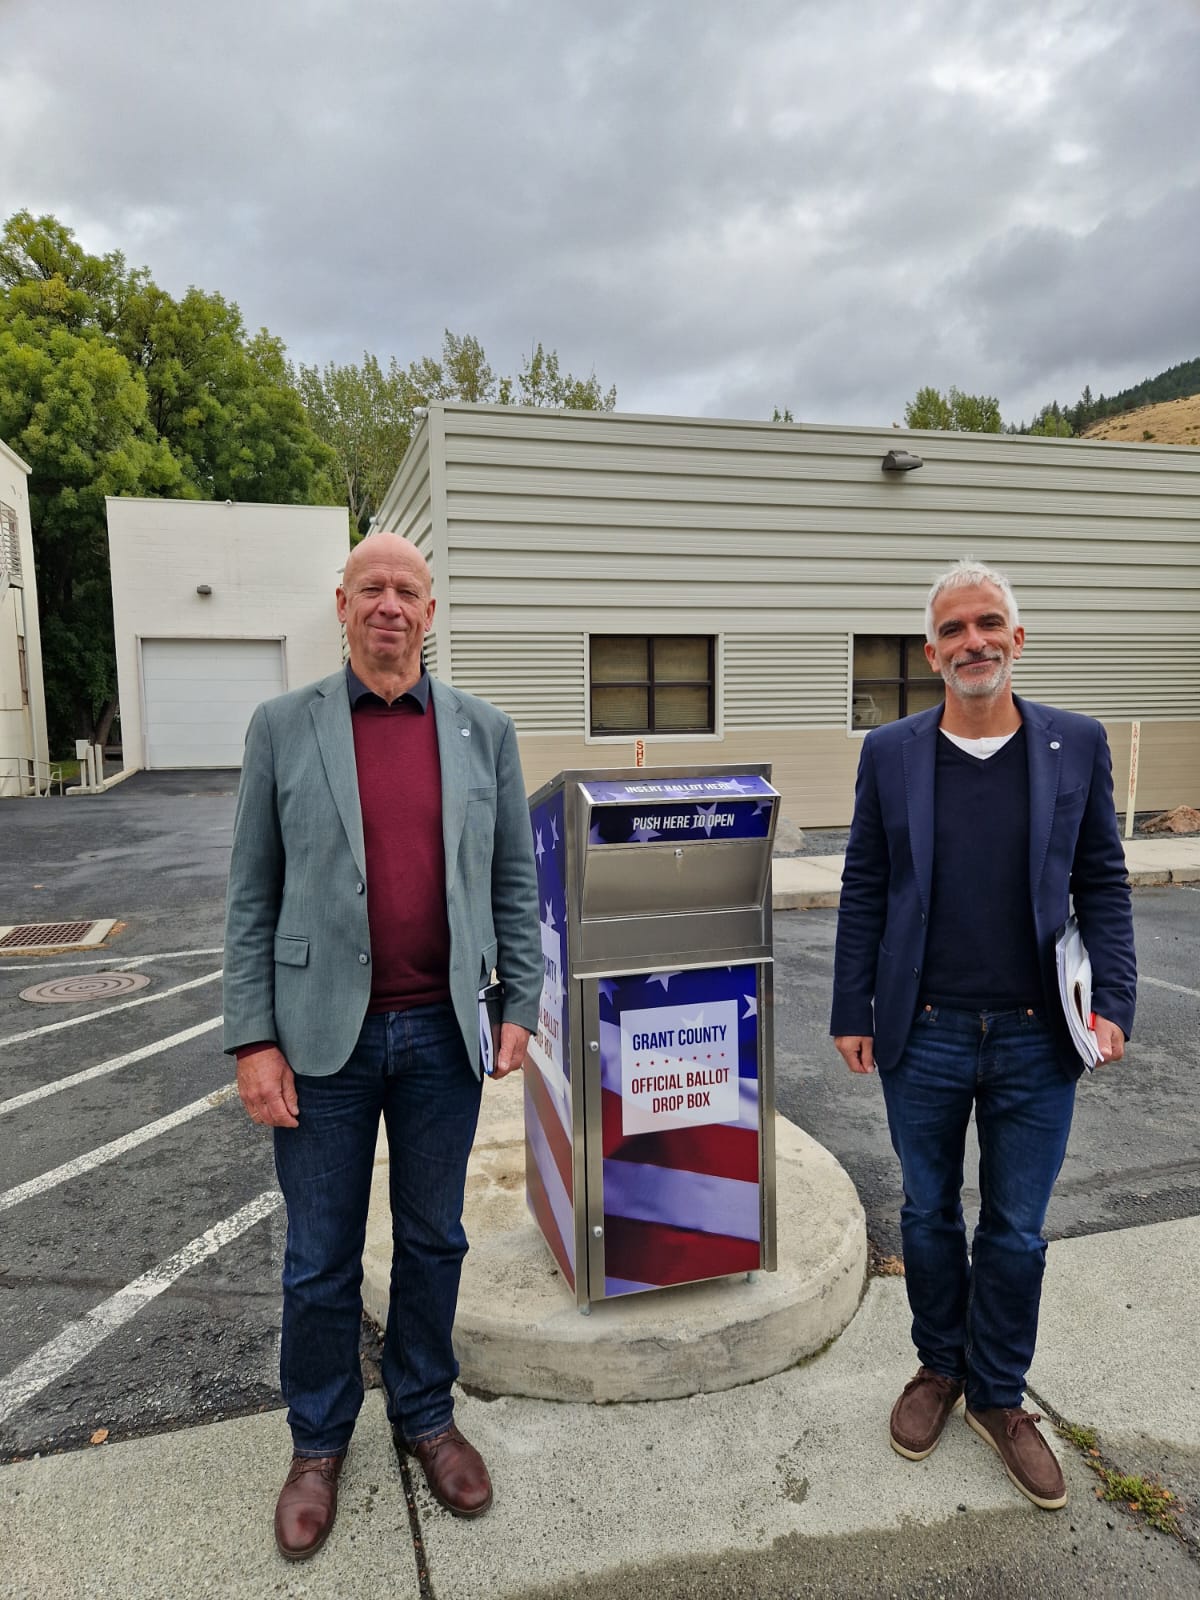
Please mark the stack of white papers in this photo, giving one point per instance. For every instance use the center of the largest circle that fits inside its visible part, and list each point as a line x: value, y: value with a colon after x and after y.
x: 1075, y: 991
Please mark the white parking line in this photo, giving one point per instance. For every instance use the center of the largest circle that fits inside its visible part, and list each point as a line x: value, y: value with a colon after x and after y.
x: 107, y: 961
x: 126, y: 1005
x: 1176, y: 988
x: 30, y: 1095
x: 114, y: 1148
x: 79, y: 1339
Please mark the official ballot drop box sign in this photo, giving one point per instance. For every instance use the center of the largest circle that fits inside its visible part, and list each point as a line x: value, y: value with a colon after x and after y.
x: 649, y: 1092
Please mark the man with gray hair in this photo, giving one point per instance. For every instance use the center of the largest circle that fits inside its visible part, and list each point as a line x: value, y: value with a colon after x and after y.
x: 976, y: 823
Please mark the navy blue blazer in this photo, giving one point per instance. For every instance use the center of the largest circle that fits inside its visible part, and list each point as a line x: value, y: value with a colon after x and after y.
x: 1074, y: 853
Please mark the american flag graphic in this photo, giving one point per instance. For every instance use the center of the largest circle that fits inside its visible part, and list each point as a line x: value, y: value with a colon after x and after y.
x: 549, y: 1190
x: 681, y: 1203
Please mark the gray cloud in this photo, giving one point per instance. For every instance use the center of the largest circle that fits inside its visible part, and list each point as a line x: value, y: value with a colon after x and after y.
x: 722, y: 208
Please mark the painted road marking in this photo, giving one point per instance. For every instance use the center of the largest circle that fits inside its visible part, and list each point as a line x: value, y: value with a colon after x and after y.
x: 30, y: 1095
x: 114, y: 1148
x: 118, y: 965
x: 125, y: 1005
x: 79, y: 1339
x: 1176, y: 988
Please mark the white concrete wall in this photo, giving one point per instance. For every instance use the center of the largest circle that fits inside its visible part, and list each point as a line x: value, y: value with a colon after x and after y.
x: 22, y: 727
x: 272, y: 570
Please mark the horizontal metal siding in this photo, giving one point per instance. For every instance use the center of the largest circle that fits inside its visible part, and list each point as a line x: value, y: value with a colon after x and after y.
x: 610, y: 523
x: 785, y: 680
x: 538, y: 680
x: 431, y: 653
x: 1113, y: 677
x: 406, y: 508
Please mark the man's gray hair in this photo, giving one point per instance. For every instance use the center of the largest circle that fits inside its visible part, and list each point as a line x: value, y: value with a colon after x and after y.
x: 967, y: 574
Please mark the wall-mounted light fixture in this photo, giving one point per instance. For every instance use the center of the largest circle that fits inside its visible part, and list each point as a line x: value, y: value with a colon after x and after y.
x: 204, y: 588
x: 901, y: 461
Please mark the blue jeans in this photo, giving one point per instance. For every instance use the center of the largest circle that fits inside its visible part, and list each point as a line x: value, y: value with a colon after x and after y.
x: 411, y: 1067
x: 977, y: 1320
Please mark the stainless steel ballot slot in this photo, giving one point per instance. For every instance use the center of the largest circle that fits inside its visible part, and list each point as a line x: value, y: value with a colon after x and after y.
x: 649, y: 1094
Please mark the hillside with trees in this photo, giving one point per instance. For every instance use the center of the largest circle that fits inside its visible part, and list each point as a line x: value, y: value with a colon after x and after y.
x: 1165, y: 408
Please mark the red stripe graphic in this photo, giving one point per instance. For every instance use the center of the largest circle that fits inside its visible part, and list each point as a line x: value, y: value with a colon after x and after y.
x: 651, y: 1252
x: 546, y: 1112
x: 716, y: 1148
x: 539, y: 1204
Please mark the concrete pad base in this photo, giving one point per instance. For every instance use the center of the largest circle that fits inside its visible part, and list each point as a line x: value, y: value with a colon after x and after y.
x: 519, y: 1332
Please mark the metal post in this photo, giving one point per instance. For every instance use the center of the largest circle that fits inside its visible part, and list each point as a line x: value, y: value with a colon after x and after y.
x: 1135, y: 734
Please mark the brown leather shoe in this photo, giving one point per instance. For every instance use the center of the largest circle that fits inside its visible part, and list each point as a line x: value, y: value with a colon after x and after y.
x: 921, y: 1413
x: 1028, y: 1459
x: 454, y: 1471
x: 307, y: 1506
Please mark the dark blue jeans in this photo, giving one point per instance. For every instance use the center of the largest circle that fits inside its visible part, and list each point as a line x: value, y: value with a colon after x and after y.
x: 977, y: 1319
x: 411, y: 1067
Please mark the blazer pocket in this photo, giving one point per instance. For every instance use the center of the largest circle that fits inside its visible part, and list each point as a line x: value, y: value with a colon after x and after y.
x: 1072, y: 798
x: 291, y: 951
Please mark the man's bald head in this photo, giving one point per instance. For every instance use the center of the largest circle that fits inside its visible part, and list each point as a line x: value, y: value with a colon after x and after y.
x: 389, y: 547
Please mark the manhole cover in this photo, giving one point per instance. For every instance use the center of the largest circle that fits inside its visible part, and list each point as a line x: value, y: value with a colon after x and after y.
x: 87, y: 986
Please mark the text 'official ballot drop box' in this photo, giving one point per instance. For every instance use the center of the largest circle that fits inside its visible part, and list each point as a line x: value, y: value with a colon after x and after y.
x: 649, y: 1092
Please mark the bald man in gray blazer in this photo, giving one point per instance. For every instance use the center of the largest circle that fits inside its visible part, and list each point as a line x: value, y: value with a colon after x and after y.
x: 382, y: 868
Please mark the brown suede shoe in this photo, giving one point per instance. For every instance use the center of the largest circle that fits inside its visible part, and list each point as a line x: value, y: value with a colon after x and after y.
x: 454, y: 1471
x: 307, y: 1506
x: 1028, y: 1459
x: 920, y: 1414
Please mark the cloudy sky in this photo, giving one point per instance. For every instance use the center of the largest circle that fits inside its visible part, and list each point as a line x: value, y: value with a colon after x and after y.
x: 720, y: 207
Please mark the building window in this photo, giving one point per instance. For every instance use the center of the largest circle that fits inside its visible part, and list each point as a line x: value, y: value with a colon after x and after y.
x: 892, y: 679
x: 663, y: 683
x: 10, y: 547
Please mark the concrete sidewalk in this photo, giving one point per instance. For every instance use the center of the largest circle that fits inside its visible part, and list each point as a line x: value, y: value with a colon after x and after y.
x: 783, y: 1487
x: 807, y: 882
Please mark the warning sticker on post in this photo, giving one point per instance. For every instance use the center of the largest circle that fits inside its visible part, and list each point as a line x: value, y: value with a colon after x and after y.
x: 679, y: 1066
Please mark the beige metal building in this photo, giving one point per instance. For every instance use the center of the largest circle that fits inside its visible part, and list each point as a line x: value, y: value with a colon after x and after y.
x: 24, y: 757
x: 734, y: 591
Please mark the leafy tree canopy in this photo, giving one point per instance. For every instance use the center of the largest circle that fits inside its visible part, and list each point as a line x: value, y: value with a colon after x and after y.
x: 366, y: 413
x: 956, y: 411
x: 109, y: 386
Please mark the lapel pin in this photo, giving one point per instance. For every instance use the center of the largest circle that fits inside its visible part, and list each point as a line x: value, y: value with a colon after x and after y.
x: 466, y: 732
x: 1054, y: 745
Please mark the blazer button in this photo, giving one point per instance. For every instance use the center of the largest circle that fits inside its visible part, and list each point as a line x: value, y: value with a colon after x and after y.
x: 364, y: 958
x: 360, y: 887
x: 916, y: 972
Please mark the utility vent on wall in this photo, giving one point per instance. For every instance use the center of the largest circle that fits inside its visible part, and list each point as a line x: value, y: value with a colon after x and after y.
x: 33, y: 938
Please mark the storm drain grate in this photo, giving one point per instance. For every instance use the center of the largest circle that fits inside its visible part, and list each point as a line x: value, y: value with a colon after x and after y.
x: 87, y: 986
x: 33, y: 937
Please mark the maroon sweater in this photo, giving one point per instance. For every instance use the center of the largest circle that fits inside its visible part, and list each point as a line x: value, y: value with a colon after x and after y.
x: 400, y: 792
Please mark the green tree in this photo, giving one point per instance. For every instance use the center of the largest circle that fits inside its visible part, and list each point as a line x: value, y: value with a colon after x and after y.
x: 956, y: 412
x: 543, y: 383
x: 783, y: 416
x: 1052, y: 423
x: 71, y: 406
x: 109, y: 386
x: 366, y: 413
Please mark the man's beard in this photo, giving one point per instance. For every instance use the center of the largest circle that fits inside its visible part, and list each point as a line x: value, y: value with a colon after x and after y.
x: 976, y: 688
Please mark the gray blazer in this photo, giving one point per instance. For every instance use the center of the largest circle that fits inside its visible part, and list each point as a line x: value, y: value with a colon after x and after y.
x: 297, y: 944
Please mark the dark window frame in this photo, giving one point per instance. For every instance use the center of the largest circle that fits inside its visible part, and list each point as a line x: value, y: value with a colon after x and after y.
x: 650, y: 684
x: 902, y: 680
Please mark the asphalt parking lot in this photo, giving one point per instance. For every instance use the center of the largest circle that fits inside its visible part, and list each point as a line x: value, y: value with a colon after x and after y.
x: 141, y: 1227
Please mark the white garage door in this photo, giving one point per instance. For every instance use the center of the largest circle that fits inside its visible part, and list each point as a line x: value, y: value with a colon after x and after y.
x: 199, y: 696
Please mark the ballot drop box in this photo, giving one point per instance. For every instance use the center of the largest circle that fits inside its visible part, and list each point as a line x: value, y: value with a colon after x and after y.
x: 649, y: 1090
